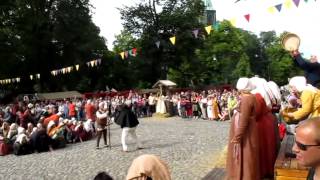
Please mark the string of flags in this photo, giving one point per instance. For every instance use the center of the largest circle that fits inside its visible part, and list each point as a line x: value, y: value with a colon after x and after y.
x: 55, y: 72
x: 278, y: 7
x: 126, y: 54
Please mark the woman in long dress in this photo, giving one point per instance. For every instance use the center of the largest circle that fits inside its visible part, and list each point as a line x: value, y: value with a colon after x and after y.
x: 243, y: 146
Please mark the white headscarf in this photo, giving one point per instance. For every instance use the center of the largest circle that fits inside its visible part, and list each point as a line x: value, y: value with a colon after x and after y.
x: 299, y: 82
x: 263, y: 89
x: 275, y: 91
x: 244, y: 84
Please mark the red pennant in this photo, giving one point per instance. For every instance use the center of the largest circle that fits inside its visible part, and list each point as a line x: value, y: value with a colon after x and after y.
x: 247, y: 16
x: 134, y: 51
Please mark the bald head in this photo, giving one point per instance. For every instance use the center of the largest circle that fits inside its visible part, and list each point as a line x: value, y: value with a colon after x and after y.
x: 311, y: 127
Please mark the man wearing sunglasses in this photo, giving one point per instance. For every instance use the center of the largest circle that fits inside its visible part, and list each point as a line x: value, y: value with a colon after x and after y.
x: 307, y: 146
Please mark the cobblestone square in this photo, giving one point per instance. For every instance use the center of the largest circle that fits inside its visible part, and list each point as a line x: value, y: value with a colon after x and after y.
x: 190, y: 147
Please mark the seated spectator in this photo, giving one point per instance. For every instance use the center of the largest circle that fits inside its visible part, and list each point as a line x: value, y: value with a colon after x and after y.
x: 21, y: 145
x: 307, y: 146
x: 4, y: 130
x: 148, y: 167
x: 12, y: 135
x: 102, y: 176
x: 40, y: 141
x: 224, y: 115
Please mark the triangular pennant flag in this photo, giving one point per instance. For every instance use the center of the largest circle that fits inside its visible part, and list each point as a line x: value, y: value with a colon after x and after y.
x: 52, y: 72
x: 77, y: 67
x: 31, y: 77
x: 173, y: 40
x: 18, y: 79
x: 158, y: 44
x: 134, y: 52
x: 208, y: 29
x: 195, y: 33
x: 9, y: 80
x: 271, y: 10
x: 296, y: 2
x: 38, y: 76
x: 122, y: 55
x: 126, y: 54
x: 88, y: 64
x: 92, y: 63
x: 279, y: 6
x: 99, y: 61
x: 233, y: 21
x: 13, y: 80
x: 247, y: 16
x: 288, y: 4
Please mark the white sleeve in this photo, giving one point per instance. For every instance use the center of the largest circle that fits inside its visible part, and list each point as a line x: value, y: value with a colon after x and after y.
x: 101, y: 115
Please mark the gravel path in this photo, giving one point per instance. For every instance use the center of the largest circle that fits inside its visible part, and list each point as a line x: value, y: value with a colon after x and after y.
x: 190, y: 147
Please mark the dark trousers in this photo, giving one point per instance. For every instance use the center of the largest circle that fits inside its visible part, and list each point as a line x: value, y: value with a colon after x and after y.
x: 99, y: 134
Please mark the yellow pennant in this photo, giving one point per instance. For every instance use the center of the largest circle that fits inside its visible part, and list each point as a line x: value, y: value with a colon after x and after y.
x: 122, y: 55
x: 92, y: 63
x: 233, y: 21
x: 31, y: 77
x: 77, y: 67
x: 271, y: 10
x: 208, y: 29
x: 288, y: 4
x: 173, y: 40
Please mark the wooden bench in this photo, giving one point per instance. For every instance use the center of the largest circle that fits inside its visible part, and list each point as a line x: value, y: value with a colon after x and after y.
x: 287, y: 168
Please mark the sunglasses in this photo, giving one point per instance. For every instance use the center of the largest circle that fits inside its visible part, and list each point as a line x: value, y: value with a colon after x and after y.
x: 304, y: 147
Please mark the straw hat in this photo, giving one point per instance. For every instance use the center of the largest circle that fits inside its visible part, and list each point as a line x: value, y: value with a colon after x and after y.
x: 290, y: 42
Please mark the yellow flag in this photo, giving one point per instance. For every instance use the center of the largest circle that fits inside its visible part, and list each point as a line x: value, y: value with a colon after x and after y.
x: 173, y: 40
x: 122, y: 55
x: 77, y: 67
x: 288, y: 4
x: 233, y: 21
x: 271, y: 10
x: 208, y: 29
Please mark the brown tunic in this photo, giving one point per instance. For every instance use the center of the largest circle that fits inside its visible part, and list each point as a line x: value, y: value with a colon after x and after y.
x: 243, y: 146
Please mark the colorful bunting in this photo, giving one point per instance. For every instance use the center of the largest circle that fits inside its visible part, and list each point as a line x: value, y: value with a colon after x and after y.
x: 173, y: 40
x: 296, y: 2
x: 158, y: 44
x: 208, y: 29
x: 278, y: 7
x: 247, y: 16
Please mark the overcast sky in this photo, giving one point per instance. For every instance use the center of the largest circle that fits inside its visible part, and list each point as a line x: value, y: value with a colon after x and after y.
x: 302, y: 20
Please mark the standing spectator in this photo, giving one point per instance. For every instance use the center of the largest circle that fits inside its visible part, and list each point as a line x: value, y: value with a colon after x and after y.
x: 243, y: 146
x: 101, y: 124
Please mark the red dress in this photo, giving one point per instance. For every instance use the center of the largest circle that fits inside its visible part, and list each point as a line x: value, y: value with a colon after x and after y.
x: 267, y: 144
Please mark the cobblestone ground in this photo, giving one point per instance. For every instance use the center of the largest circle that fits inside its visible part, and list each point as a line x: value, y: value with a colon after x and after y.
x: 190, y: 147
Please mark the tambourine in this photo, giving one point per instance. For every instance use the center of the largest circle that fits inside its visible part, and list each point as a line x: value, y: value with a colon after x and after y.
x: 290, y: 42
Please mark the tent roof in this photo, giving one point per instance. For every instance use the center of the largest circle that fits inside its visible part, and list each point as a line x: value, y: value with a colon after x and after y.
x: 59, y: 95
x: 167, y: 83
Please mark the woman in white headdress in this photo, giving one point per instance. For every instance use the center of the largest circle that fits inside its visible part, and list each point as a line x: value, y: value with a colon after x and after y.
x: 309, y: 96
x: 243, y: 146
x: 266, y: 127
